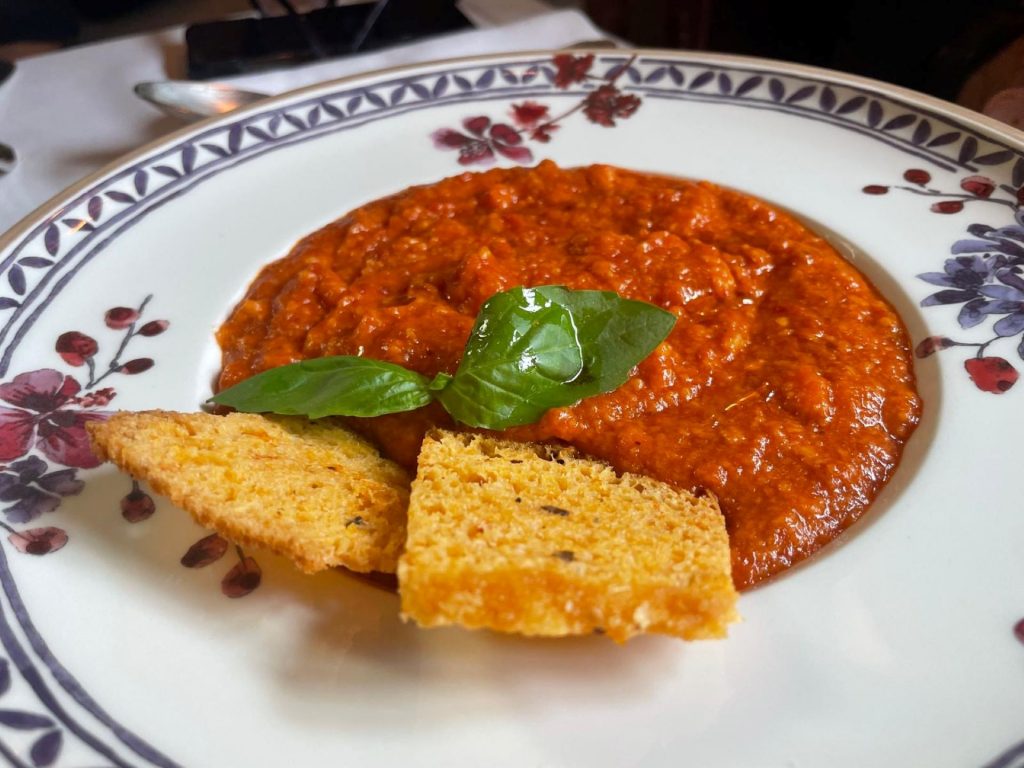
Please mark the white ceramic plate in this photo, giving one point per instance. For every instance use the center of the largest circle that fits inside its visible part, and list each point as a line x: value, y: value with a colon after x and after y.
x: 899, y: 646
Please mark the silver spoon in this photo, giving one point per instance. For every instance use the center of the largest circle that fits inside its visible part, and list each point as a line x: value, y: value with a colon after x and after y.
x: 192, y: 101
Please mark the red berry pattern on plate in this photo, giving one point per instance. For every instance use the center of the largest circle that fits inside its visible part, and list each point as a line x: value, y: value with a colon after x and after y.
x: 207, y: 550
x: 243, y: 578
x: 137, y: 505
x: 43, y: 442
x: 991, y: 374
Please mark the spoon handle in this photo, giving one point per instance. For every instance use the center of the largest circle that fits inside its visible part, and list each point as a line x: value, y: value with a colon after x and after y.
x: 188, y: 100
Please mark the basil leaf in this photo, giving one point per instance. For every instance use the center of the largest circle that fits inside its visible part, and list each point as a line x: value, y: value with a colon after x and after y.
x: 531, y: 349
x: 523, y: 349
x: 513, y: 371
x: 616, y: 335
x: 330, y: 386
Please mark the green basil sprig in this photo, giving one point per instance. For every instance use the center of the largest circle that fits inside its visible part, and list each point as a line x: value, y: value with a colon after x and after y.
x: 531, y: 349
x: 330, y: 386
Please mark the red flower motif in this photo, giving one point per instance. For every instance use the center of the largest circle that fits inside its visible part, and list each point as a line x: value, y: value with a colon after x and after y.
x: 119, y: 318
x: 991, y: 374
x: 608, y: 102
x: 933, y: 344
x: 38, y: 541
x: 137, y: 505
x: 542, y: 133
x: 31, y: 490
x: 917, y: 176
x: 97, y: 399
x: 42, y: 417
x: 207, y: 550
x: 947, y: 206
x: 483, y: 141
x: 529, y: 114
x: 979, y: 186
x: 571, y: 69
x: 154, y: 328
x: 75, y: 348
x: 138, y: 365
x: 242, y: 579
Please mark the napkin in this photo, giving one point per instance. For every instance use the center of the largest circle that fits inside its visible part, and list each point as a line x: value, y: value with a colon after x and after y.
x: 69, y: 113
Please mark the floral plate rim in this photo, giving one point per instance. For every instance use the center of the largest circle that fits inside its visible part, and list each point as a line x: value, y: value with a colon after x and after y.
x: 979, y: 121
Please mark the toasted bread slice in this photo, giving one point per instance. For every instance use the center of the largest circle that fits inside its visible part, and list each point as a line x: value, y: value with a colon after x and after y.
x: 539, y: 540
x: 313, y: 492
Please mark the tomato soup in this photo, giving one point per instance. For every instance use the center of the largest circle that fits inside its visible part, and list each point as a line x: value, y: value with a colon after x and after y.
x: 786, y: 387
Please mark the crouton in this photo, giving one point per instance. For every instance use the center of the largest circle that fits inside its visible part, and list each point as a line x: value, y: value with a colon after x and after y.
x: 314, y: 492
x: 540, y: 540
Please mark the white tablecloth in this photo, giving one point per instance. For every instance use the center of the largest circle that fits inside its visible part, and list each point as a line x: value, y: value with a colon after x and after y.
x: 69, y: 113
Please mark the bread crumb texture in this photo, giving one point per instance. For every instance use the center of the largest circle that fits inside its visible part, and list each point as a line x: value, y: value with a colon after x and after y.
x: 540, y: 540
x: 313, y: 492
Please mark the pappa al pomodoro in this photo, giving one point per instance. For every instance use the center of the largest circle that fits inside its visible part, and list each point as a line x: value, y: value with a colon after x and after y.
x: 786, y: 387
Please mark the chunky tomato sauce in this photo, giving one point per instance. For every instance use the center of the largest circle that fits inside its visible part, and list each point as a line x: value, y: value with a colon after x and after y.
x: 786, y: 387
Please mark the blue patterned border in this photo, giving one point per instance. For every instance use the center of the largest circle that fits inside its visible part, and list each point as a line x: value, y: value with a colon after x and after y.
x: 43, y: 261
x: 59, y: 724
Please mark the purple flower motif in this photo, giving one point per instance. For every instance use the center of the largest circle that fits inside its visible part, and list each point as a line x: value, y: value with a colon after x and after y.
x: 45, y: 416
x: 482, y: 141
x: 1007, y: 299
x: 985, y: 276
x: 1008, y: 240
x: 963, y: 278
x: 33, y: 490
x: 964, y: 273
x: 966, y: 281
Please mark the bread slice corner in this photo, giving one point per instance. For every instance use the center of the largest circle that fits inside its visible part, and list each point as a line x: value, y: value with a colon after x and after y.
x: 539, y: 540
x: 312, y: 491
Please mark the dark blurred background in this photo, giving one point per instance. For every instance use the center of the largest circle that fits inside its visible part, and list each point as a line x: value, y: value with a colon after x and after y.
x: 955, y: 50
x: 935, y: 47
